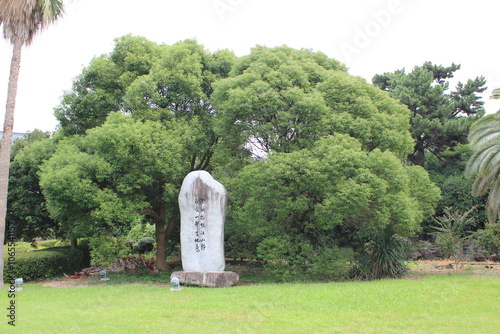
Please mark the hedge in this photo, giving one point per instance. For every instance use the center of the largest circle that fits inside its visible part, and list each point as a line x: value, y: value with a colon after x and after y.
x: 46, y: 263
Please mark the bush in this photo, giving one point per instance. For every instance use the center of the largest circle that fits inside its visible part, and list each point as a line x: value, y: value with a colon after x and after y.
x: 45, y: 263
x: 285, y: 259
x: 104, y: 250
x: 489, y: 238
x: 144, y: 245
x: 383, y: 257
x: 330, y: 264
x: 453, y: 233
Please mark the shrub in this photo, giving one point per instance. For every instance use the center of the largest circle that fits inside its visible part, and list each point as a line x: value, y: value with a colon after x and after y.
x: 283, y: 259
x: 383, y: 257
x: 45, y: 263
x: 144, y: 245
x: 330, y: 264
x: 489, y: 238
x: 104, y: 250
x: 453, y: 234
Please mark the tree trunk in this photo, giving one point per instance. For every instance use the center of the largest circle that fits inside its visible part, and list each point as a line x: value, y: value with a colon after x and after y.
x: 8, y: 127
x: 418, y: 156
x: 74, y: 243
x: 161, y: 244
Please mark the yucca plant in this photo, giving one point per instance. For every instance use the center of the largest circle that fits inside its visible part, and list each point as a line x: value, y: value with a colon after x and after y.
x: 386, y: 254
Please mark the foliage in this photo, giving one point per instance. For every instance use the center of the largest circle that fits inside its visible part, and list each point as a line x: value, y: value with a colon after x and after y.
x: 100, y: 88
x: 455, y: 188
x: 103, y: 181
x: 46, y: 263
x: 282, y: 100
x: 331, y: 263
x: 104, y: 250
x: 21, y: 21
x: 140, y: 231
x: 453, y: 233
x: 440, y: 118
x: 27, y: 208
x: 489, y: 238
x: 283, y: 258
x: 151, y: 82
x: 287, y: 259
x: 484, y: 162
x: 332, y: 194
x: 386, y: 254
x: 144, y: 245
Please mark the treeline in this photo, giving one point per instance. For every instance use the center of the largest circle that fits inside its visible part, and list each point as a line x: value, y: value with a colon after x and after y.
x: 317, y: 163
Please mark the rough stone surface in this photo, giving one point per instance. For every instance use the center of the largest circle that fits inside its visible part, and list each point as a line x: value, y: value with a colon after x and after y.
x: 207, y: 279
x: 202, y: 203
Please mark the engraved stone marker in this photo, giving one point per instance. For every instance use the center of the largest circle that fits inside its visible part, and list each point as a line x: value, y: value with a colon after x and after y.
x: 202, y: 202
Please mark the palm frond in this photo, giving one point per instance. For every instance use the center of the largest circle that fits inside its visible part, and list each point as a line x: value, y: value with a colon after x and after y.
x: 484, y: 163
x: 21, y: 20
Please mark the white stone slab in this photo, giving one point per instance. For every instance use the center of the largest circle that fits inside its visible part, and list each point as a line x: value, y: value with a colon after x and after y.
x: 202, y: 202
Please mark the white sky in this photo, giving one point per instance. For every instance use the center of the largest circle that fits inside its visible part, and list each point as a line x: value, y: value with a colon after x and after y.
x: 370, y: 36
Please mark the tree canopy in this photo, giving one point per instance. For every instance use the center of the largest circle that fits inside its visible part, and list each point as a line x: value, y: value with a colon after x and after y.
x: 281, y: 99
x: 440, y: 118
x: 124, y: 168
x: 27, y: 207
x: 335, y: 193
x: 328, y: 148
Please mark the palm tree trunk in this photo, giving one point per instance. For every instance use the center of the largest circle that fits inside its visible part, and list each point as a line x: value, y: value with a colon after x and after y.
x: 8, y: 127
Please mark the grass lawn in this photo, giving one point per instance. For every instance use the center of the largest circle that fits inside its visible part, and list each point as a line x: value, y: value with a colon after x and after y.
x: 431, y: 304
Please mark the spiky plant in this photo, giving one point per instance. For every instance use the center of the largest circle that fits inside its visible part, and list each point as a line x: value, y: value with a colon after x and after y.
x: 386, y: 254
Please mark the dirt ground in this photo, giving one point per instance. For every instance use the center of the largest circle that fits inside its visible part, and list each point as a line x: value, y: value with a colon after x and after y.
x: 418, y: 270
x: 480, y: 269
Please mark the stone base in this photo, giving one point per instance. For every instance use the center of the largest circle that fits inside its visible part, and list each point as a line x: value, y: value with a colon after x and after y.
x: 211, y: 279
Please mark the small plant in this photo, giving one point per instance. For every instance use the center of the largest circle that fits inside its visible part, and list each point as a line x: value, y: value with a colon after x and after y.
x: 386, y: 254
x: 144, y: 245
x: 489, y: 238
x: 453, y: 233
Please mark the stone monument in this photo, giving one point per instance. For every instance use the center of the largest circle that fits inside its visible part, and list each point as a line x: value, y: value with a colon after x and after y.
x: 202, y: 203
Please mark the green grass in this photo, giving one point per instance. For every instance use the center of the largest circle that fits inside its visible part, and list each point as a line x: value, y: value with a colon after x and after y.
x: 434, y: 304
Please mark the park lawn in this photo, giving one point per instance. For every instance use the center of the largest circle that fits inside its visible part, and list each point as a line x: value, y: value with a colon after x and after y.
x: 432, y: 304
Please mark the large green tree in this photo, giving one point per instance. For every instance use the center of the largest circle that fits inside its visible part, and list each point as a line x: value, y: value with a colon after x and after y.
x: 116, y: 172
x: 282, y: 99
x: 100, y: 88
x: 335, y: 193
x: 150, y: 82
x: 330, y: 148
x: 26, y: 205
x: 440, y: 117
x: 20, y: 21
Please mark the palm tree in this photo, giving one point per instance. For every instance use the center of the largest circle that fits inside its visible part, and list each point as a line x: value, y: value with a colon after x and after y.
x: 484, y: 163
x: 21, y: 20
